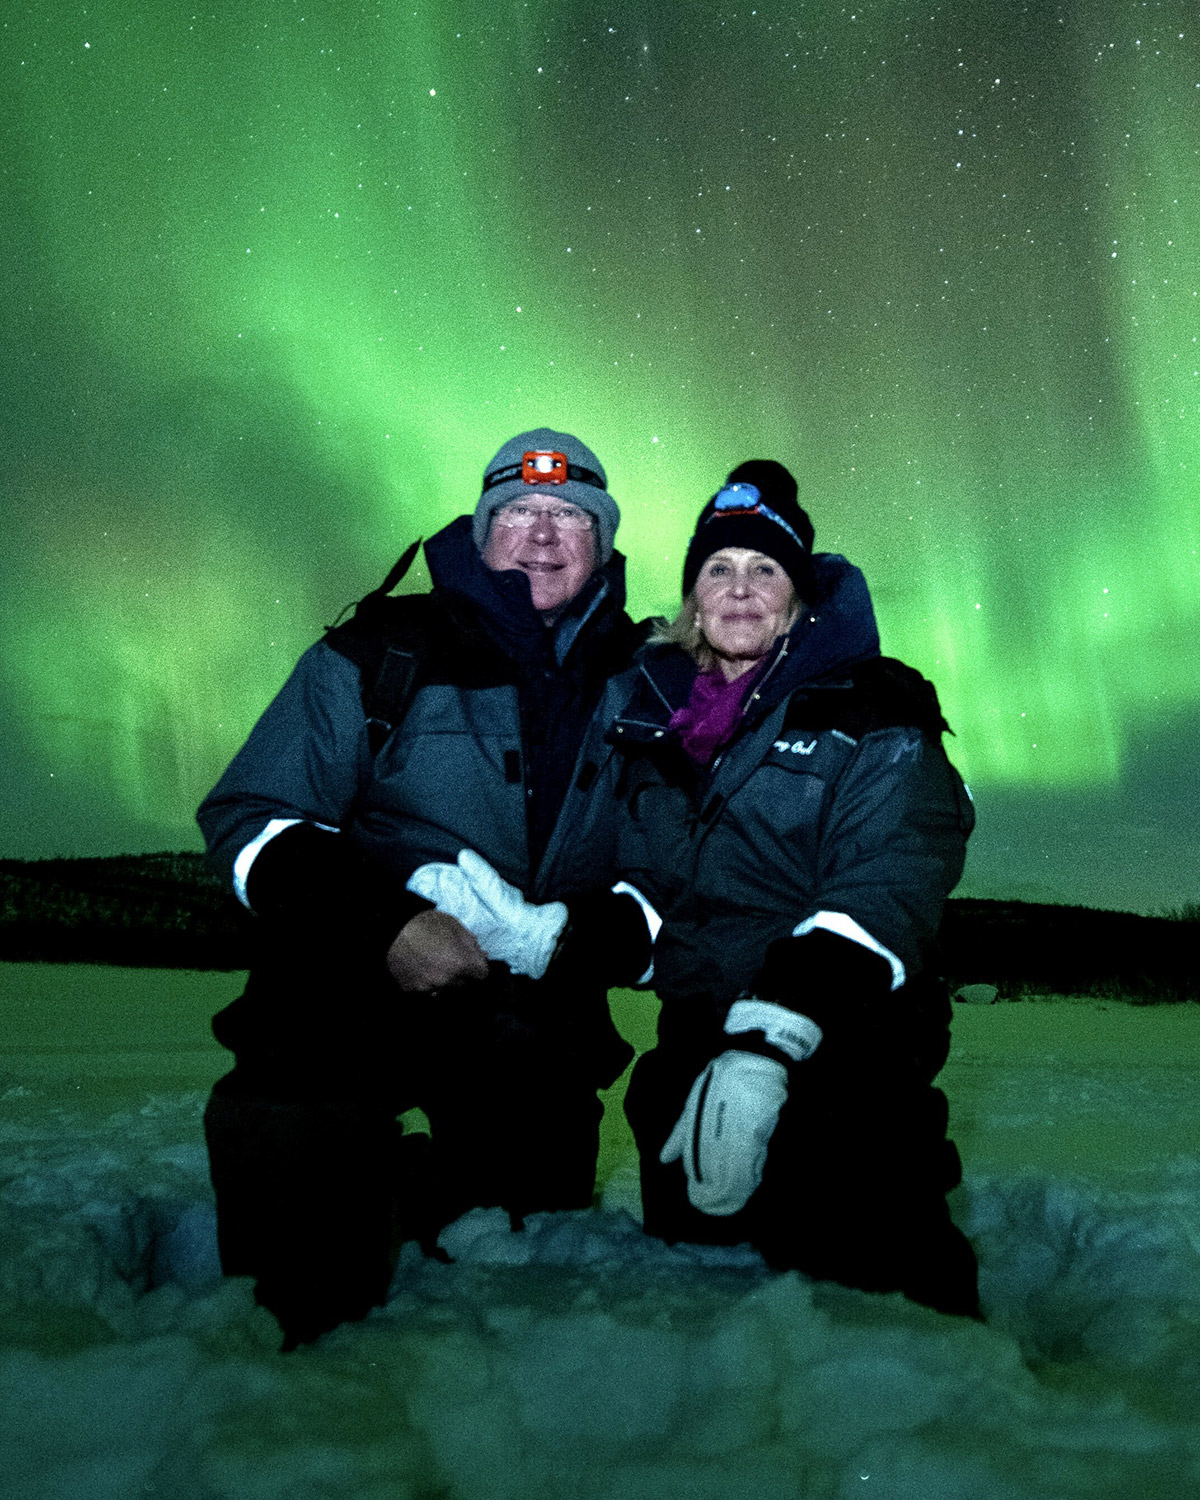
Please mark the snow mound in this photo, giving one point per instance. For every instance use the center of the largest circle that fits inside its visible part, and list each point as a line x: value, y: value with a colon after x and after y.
x: 580, y: 1357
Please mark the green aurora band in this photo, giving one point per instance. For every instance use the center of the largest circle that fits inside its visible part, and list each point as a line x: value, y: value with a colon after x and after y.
x: 282, y: 276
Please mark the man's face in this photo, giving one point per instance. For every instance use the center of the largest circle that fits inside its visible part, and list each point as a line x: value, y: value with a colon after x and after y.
x: 551, y: 541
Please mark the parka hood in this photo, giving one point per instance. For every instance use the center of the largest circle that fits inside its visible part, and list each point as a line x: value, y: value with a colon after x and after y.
x: 838, y: 630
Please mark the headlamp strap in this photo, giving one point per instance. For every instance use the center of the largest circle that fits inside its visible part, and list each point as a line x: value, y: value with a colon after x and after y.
x: 532, y: 472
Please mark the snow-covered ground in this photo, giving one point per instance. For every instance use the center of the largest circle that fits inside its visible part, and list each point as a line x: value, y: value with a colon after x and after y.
x: 581, y: 1359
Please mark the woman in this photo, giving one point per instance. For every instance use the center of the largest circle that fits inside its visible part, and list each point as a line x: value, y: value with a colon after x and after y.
x: 794, y: 820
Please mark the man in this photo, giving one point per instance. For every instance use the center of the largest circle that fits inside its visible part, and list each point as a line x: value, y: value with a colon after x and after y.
x: 470, y: 718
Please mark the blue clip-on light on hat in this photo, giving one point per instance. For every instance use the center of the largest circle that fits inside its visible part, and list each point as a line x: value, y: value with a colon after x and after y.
x: 747, y: 500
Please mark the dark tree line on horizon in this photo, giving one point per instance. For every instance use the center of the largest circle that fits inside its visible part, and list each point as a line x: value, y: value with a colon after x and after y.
x: 170, y: 911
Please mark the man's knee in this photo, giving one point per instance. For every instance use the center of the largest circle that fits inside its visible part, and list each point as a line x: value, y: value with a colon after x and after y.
x: 529, y: 1146
x: 286, y: 1173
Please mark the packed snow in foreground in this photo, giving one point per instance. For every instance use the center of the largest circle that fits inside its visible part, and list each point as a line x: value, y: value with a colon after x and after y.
x: 580, y: 1358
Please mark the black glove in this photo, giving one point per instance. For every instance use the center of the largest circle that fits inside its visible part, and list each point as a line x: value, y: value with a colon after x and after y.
x: 316, y: 882
x: 607, y: 937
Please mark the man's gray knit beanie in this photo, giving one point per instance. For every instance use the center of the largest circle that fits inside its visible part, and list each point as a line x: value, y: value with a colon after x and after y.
x: 585, y: 485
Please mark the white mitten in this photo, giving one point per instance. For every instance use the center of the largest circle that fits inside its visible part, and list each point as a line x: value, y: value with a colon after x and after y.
x: 450, y: 891
x: 510, y: 929
x: 723, y: 1132
x: 727, y: 1123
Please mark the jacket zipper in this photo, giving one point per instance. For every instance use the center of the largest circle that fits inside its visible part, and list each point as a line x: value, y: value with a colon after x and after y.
x: 658, y: 693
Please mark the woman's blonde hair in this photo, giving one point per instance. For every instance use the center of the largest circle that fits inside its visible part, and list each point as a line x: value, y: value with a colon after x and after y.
x: 684, y: 631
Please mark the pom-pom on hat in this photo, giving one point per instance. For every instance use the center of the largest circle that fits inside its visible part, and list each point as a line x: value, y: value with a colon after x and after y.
x: 532, y: 464
x: 756, y: 508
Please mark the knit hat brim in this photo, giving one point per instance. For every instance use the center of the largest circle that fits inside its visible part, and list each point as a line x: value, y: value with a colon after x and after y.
x: 758, y: 535
x: 595, y: 500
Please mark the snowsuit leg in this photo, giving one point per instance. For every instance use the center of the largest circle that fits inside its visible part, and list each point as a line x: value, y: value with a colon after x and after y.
x: 308, y: 1161
x: 854, y: 1188
x: 524, y: 1142
x: 511, y: 1097
x: 316, y: 1184
x: 306, y: 1195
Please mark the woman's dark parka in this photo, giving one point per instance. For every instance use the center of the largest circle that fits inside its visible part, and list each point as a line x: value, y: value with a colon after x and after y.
x: 834, y: 808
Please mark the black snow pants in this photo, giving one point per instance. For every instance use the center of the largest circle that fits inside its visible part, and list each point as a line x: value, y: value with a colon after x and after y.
x: 857, y: 1170
x: 317, y: 1185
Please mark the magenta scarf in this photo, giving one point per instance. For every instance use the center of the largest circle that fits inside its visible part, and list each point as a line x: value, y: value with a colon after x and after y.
x: 711, y: 712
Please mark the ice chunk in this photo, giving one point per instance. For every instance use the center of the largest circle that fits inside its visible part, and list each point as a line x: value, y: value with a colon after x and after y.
x: 977, y: 994
x: 485, y: 1237
x: 184, y: 1252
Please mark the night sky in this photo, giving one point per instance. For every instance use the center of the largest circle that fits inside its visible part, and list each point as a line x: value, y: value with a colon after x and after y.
x: 280, y: 277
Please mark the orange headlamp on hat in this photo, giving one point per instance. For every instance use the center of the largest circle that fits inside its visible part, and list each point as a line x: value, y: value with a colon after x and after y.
x: 544, y: 466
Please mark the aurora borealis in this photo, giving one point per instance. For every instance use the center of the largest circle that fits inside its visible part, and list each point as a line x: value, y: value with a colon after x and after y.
x: 281, y: 276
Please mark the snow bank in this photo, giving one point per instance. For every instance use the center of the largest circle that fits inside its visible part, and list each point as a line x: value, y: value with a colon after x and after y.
x: 579, y: 1357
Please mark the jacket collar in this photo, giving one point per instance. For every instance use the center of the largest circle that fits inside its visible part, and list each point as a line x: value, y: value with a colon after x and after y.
x: 503, y: 601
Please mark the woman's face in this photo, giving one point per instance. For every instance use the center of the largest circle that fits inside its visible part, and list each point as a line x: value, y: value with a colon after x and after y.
x: 744, y: 601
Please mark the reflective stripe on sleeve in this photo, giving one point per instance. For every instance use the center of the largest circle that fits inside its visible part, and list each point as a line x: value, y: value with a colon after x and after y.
x: 241, y: 865
x: 653, y: 920
x: 845, y: 926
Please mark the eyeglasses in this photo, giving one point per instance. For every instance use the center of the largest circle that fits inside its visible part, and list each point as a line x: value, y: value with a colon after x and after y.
x: 565, y: 517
